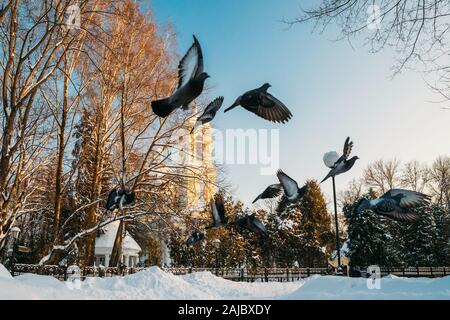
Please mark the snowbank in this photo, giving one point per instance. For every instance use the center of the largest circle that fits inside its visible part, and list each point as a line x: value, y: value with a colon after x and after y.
x: 391, y: 287
x: 4, y: 273
x: 153, y: 283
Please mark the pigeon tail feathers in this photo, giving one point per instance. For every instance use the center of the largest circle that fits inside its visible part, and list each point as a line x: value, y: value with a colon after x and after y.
x: 326, y: 178
x: 196, y: 125
x: 228, y: 109
x: 162, y: 108
x: 256, y: 199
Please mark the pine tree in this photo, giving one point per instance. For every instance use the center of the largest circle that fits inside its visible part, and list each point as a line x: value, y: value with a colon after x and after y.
x: 301, y: 230
x: 235, y: 247
x: 428, y: 239
x: 286, y: 234
x: 316, y: 225
x: 419, y: 239
x: 370, y: 238
x: 441, y: 248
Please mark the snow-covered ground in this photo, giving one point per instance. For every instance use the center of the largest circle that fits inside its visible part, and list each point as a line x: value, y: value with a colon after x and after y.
x: 153, y: 283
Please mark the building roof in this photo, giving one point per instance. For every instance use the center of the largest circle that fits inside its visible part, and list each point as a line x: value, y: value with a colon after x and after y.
x: 106, y: 240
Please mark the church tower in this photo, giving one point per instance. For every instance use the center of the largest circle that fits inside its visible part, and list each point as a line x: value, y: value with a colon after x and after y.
x: 196, y: 154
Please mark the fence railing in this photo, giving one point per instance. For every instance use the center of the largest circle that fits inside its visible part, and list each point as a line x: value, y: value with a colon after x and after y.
x: 64, y: 273
x: 234, y: 274
x: 256, y: 274
x: 413, y: 272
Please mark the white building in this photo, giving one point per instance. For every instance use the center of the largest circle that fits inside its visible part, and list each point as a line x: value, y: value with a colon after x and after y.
x: 104, y: 244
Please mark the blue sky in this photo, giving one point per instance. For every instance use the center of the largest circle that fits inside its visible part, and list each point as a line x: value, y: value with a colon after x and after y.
x: 333, y: 89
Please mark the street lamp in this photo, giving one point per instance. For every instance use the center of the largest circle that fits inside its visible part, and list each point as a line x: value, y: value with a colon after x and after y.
x: 338, y: 165
x: 336, y: 222
x: 15, y: 231
x: 216, y: 244
x: 334, y: 155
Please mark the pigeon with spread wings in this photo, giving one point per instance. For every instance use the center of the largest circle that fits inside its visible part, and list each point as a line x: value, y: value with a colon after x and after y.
x: 117, y: 199
x: 290, y: 187
x: 209, y: 113
x: 195, y: 237
x: 218, y: 212
x: 272, y: 191
x: 263, y: 104
x: 251, y: 223
x: 340, y: 164
x: 191, y: 80
x: 397, y: 204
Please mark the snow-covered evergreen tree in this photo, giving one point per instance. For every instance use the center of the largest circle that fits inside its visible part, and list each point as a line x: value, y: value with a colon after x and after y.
x: 370, y: 238
x: 301, y: 232
x: 441, y: 248
x: 419, y: 238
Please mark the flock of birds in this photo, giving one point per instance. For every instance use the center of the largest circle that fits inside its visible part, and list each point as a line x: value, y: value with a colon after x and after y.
x: 397, y: 204
x: 191, y: 81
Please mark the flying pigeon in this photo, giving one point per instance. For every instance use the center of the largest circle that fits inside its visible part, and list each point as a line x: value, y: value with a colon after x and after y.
x: 195, y: 237
x: 209, y: 113
x: 290, y: 187
x: 117, y: 199
x: 263, y: 104
x: 340, y: 164
x: 191, y: 80
x: 271, y: 191
x: 252, y: 224
x: 395, y: 204
x: 218, y: 212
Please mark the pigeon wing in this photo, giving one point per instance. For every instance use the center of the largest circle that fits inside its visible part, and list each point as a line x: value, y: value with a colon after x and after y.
x: 330, y: 159
x: 220, y: 207
x: 290, y: 186
x: 272, y: 191
x: 111, y: 203
x: 259, y: 225
x: 189, y: 241
x: 302, y: 191
x: 406, y: 198
x: 272, y: 109
x: 215, y: 213
x: 191, y: 65
x: 209, y: 113
x: 402, y: 216
x: 348, y: 146
x: 240, y: 222
x: 390, y: 208
x: 214, y: 106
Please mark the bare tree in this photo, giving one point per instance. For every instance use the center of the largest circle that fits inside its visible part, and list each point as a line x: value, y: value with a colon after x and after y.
x: 354, y: 191
x: 417, y: 30
x: 34, y: 41
x: 126, y: 63
x: 415, y: 176
x: 383, y: 175
x: 440, y: 180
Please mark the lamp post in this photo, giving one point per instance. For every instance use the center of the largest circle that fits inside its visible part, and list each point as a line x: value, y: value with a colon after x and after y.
x: 338, y: 165
x: 334, y: 155
x: 15, y: 231
x: 216, y: 244
x: 336, y: 222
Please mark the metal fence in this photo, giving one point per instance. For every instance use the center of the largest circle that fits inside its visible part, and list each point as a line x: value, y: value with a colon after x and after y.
x: 416, y: 272
x: 234, y: 274
x: 64, y: 273
x: 256, y: 274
